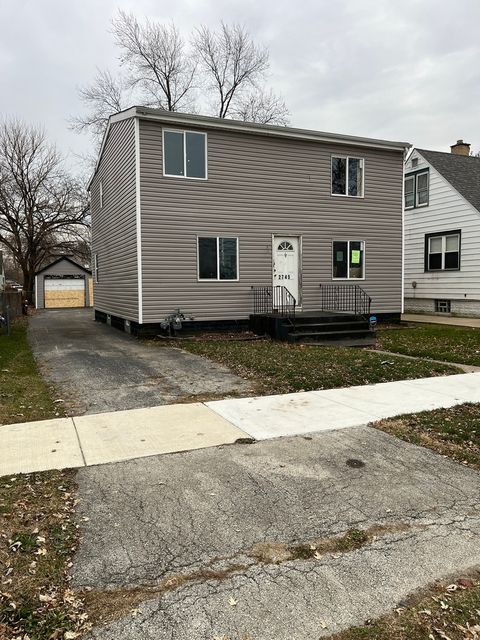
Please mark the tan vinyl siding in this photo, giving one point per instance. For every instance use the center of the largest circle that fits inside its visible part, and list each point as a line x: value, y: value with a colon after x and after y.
x: 114, y: 233
x: 258, y: 186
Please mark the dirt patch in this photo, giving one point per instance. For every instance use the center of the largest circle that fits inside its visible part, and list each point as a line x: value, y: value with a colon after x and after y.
x: 105, y: 606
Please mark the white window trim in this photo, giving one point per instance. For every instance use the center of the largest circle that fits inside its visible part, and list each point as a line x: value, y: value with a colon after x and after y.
x: 417, y: 175
x: 218, y: 279
x: 95, y: 266
x: 346, y: 194
x: 412, y: 206
x: 184, y: 131
x: 443, y: 252
x: 348, y: 263
x: 101, y: 194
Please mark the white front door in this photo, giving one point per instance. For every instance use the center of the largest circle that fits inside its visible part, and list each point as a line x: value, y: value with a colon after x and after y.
x: 286, y: 264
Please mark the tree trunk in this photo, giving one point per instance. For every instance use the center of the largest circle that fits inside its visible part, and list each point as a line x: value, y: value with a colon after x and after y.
x: 28, y: 284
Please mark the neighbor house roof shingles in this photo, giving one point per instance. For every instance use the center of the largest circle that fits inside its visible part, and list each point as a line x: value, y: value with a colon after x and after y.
x: 462, y: 172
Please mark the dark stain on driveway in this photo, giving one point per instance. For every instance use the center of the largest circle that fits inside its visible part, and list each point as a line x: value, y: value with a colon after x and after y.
x: 95, y: 368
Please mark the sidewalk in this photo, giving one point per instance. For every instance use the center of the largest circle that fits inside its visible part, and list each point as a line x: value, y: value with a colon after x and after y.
x: 124, y: 435
x: 447, y: 320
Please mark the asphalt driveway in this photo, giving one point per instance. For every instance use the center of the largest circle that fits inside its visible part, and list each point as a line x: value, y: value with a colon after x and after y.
x: 95, y: 368
x: 219, y: 543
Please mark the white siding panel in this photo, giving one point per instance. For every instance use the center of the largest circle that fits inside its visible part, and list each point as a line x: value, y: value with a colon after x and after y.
x: 447, y: 211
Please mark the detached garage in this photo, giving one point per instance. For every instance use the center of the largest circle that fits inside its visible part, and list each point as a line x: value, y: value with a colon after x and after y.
x: 63, y: 284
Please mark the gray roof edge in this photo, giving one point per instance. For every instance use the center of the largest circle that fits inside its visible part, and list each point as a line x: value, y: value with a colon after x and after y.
x: 174, y: 117
x: 266, y: 129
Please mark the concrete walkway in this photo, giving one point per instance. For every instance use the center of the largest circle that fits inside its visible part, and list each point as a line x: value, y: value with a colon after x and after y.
x: 448, y: 320
x: 124, y: 435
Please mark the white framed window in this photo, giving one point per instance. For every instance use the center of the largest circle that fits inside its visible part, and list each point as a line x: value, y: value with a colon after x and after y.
x: 409, y: 192
x: 347, y: 176
x: 348, y: 260
x: 184, y: 154
x: 100, y: 195
x: 417, y: 186
x: 95, y: 266
x: 217, y: 258
x: 442, y: 251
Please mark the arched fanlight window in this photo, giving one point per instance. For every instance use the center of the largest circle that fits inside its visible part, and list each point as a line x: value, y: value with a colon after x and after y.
x: 285, y: 246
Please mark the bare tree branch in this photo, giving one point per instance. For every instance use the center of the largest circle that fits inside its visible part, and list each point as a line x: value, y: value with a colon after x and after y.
x: 231, y: 62
x: 262, y: 107
x: 106, y: 95
x: 157, y: 61
x: 40, y: 204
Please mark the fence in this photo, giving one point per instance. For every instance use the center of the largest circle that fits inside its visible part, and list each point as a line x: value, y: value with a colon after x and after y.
x: 10, y: 308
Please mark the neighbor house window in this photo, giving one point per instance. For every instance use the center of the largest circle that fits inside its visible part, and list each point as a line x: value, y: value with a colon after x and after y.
x: 218, y: 258
x: 348, y: 259
x: 95, y: 266
x: 185, y: 154
x: 442, y: 251
x: 416, y: 189
x: 347, y: 176
x: 101, y: 194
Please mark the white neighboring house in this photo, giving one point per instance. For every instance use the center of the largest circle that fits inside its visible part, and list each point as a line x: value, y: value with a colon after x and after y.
x: 2, y: 273
x: 442, y: 232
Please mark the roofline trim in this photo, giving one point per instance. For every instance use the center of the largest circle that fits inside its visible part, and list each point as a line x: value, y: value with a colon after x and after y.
x: 460, y: 195
x: 146, y: 113
x: 76, y: 264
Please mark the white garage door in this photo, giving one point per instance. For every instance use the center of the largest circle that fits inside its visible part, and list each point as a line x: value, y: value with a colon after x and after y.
x: 64, y: 292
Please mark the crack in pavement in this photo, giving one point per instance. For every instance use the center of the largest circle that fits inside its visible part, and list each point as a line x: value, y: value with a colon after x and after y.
x: 174, y: 517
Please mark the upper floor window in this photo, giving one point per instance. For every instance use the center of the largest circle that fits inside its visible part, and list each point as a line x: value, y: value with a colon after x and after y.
x: 348, y: 259
x: 347, y: 176
x: 442, y: 251
x: 416, y: 189
x: 185, y: 154
x: 217, y: 258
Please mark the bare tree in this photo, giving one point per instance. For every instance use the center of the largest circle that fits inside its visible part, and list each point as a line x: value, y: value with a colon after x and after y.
x: 157, y: 61
x: 262, y: 107
x: 106, y: 95
x: 41, y: 206
x: 231, y: 62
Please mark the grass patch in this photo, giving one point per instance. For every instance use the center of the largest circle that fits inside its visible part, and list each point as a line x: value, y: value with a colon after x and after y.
x: 453, y: 432
x: 278, y: 367
x: 450, y: 344
x: 445, y: 612
x: 24, y: 396
x: 37, y: 540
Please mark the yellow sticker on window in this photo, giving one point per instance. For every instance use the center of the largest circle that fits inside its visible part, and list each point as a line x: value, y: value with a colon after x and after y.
x: 355, y: 256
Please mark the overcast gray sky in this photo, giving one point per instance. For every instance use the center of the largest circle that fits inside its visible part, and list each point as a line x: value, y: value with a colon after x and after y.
x: 399, y: 69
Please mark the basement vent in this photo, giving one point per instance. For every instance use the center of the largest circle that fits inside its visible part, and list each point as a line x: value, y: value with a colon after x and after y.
x: 443, y: 306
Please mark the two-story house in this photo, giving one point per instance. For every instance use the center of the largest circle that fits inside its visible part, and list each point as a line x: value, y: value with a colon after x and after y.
x: 212, y: 216
x: 442, y: 231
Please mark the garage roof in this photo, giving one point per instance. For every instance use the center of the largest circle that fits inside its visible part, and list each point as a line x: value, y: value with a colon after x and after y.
x: 76, y: 264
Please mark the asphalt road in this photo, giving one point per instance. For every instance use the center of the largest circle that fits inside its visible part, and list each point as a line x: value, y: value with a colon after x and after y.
x: 190, y: 525
x: 95, y: 368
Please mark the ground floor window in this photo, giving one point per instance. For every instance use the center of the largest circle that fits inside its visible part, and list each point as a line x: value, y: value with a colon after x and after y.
x: 442, y: 251
x: 348, y: 259
x: 217, y: 258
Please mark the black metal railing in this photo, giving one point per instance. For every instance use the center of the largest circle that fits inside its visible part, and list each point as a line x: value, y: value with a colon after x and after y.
x: 345, y: 297
x: 273, y: 299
